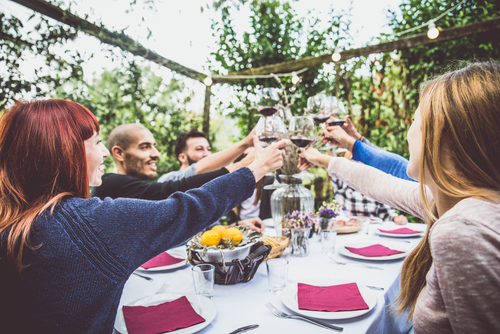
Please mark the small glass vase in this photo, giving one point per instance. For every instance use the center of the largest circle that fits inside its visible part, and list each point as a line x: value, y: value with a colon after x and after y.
x: 300, y: 241
x: 325, y: 224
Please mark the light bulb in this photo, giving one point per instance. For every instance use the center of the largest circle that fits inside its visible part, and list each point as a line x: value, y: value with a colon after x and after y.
x: 208, y: 81
x: 295, y: 78
x: 433, y: 31
x: 336, y: 55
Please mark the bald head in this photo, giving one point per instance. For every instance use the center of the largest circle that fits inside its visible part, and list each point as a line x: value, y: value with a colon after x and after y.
x: 133, y: 149
x: 123, y: 135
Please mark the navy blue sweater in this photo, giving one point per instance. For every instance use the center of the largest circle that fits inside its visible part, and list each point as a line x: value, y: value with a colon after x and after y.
x: 87, y: 249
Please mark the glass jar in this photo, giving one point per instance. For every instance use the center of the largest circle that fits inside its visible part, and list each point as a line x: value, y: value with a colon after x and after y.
x: 300, y: 241
x: 286, y: 200
x: 325, y: 224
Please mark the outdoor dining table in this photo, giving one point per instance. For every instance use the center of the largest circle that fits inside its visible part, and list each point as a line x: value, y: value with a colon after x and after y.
x: 244, y: 303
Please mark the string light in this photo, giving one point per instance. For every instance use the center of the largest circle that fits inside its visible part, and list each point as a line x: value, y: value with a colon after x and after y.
x: 208, y: 80
x: 295, y: 78
x: 433, y: 32
x: 336, y: 55
x: 431, y: 24
x: 260, y: 76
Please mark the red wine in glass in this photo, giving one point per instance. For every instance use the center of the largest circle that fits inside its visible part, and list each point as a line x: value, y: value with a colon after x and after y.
x: 320, y: 118
x: 335, y: 123
x: 301, y: 142
x: 268, y: 140
x: 268, y: 111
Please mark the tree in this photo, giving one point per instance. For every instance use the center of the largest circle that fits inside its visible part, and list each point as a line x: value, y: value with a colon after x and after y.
x: 134, y: 94
x: 36, y: 39
x: 276, y: 35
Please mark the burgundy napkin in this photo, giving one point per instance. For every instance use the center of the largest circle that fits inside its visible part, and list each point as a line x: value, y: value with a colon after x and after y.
x: 342, y: 297
x: 403, y: 230
x: 164, y: 259
x: 373, y: 250
x: 160, y: 318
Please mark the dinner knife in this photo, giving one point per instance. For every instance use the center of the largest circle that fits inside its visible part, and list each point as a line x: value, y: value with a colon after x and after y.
x: 244, y: 329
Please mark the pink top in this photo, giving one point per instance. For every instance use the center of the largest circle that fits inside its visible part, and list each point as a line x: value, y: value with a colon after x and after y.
x: 462, y: 294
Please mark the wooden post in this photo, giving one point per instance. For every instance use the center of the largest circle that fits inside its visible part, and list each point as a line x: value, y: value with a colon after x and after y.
x: 206, y: 112
x: 337, y: 80
x: 348, y: 92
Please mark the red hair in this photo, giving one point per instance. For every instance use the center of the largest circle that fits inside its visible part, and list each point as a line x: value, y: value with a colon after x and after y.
x: 42, y: 160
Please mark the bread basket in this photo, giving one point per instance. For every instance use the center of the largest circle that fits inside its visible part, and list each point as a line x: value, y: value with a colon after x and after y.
x: 278, y: 244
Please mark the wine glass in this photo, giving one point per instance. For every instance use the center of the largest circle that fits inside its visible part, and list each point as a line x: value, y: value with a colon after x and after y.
x: 319, y: 108
x: 270, y: 129
x: 302, y: 132
x: 338, y: 117
x: 268, y: 99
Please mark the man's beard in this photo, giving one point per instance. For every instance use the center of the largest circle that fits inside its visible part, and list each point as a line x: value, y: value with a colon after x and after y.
x: 190, y: 161
x: 135, y: 167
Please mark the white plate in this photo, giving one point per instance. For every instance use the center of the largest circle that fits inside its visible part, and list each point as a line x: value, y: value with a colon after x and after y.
x: 420, y: 234
x: 290, y: 300
x: 344, y: 251
x: 179, y: 252
x: 202, y: 305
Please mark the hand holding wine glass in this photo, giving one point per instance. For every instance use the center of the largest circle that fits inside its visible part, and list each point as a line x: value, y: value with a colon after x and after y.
x: 302, y: 132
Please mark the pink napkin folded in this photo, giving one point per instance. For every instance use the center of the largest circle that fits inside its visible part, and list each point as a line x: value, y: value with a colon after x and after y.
x: 373, y: 250
x: 342, y: 297
x: 165, y: 317
x: 164, y: 259
x: 403, y: 230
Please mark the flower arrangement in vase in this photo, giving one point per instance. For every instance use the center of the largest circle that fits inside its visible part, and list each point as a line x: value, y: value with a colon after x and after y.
x: 325, y: 215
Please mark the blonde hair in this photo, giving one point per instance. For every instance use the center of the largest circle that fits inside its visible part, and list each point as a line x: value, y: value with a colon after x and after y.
x: 460, y: 109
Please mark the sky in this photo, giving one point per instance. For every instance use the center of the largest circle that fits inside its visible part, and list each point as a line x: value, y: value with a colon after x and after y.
x: 182, y: 33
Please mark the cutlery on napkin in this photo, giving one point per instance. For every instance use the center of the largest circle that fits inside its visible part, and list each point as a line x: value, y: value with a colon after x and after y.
x: 165, y: 317
x: 164, y: 259
x: 373, y: 250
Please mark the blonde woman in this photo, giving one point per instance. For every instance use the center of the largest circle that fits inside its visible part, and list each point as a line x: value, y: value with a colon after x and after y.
x: 451, y: 282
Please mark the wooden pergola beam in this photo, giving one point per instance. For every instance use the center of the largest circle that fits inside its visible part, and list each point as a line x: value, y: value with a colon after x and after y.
x: 401, y: 44
x: 120, y: 40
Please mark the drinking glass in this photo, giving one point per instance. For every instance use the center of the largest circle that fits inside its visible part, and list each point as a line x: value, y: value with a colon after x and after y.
x: 268, y: 99
x: 302, y: 132
x: 203, y: 278
x: 277, y: 274
x: 319, y: 108
x: 270, y: 129
x: 338, y: 117
x: 328, y: 238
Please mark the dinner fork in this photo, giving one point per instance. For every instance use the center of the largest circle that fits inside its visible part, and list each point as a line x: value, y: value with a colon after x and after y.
x: 145, y: 277
x: 355, y: 263
x: 284, y: 315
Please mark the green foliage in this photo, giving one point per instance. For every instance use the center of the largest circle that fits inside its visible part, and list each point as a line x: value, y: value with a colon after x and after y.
x: 134, y: 94
x: 276, y: 35
x: 37, y: 42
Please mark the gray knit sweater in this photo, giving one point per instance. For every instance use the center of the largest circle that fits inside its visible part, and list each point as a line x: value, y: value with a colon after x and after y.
x: 462, y: 293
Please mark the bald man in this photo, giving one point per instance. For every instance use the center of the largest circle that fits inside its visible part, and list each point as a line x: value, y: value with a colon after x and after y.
x: 133, y: 148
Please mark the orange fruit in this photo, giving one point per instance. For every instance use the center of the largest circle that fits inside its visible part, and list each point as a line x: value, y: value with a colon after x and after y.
x: 210, y: 238
x: 219, y: 229
x: 232, y: 235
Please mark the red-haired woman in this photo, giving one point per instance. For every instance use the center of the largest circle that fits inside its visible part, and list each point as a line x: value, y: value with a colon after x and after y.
x: 65, y: 257
x: 450, y: 283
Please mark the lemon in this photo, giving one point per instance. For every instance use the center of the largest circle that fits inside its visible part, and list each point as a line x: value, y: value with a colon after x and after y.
x: 219, y: 229
x: 232, y: 235
x: 210, y: 238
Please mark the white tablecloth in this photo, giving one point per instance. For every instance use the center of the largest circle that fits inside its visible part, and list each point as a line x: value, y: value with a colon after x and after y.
x: 244, y: 303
